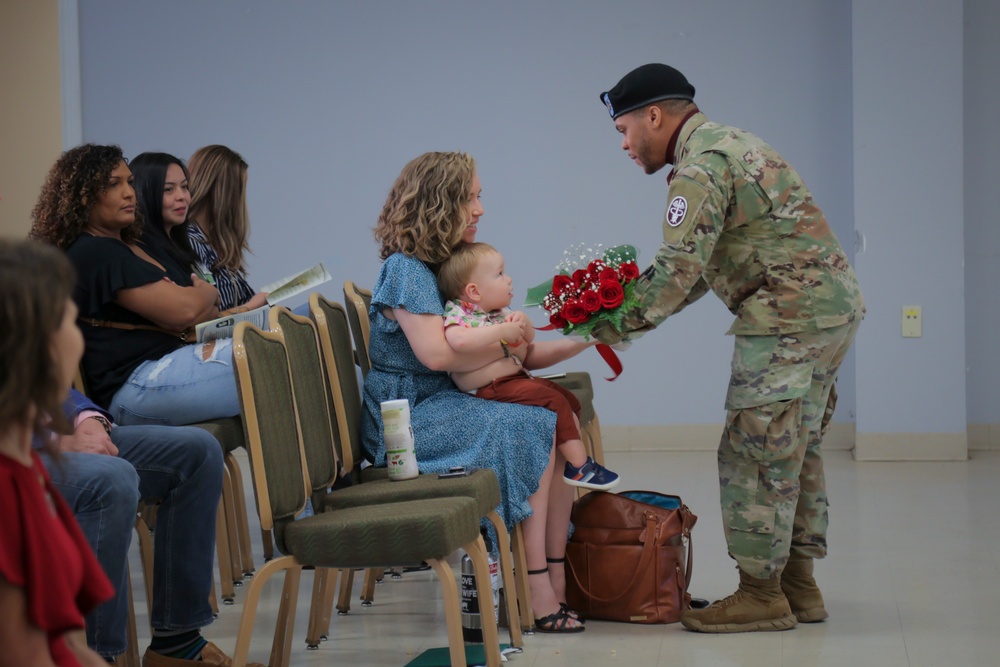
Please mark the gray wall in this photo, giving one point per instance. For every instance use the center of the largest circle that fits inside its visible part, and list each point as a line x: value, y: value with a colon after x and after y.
x: 981, y: 86
x: 328, y: 100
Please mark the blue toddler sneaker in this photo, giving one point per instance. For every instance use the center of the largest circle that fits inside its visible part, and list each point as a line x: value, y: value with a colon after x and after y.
x: 591, y: 475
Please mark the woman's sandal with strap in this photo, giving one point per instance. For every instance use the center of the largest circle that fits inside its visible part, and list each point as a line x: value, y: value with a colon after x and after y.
x: 573, y: 613
x: 557, y: 622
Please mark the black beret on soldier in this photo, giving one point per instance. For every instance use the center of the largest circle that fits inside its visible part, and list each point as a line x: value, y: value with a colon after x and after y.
x: 646, y: 85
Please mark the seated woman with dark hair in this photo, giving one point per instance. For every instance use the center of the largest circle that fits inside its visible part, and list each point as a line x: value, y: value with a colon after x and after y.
x: 49, y: 577
x: 163, y: 191
x: 137, y: 311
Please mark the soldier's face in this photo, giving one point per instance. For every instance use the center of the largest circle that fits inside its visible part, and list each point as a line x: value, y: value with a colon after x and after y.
x: 638, y: 141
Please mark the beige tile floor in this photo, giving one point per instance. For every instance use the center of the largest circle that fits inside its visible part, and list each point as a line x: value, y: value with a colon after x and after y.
x: 912, y: 580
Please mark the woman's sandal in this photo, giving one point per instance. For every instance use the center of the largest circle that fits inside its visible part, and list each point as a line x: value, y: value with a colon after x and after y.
x: 557, y: 622
x: 573, y: 613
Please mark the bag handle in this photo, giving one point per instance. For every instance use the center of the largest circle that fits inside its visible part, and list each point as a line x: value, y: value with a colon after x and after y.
x: 649, y: 544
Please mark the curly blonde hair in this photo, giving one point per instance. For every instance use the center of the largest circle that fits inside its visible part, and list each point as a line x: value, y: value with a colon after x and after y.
x: 36, y: 282
x: 424, y: 214
x: 219, y: 201
x: 71, y: 189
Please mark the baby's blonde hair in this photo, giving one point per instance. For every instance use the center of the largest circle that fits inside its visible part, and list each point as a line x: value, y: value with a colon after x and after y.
x: 454, y: 274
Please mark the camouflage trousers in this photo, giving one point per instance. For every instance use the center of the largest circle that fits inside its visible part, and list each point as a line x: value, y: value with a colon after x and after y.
x: 779, y: 405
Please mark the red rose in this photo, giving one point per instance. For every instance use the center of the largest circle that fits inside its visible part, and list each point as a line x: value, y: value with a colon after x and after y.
x: 579, y: 277
x: 557, y: 320
x: 596, y: 266
x: 608, y: 274
x: 612, y: 294
x: 591, y: 301
x: 574, y: 312
x: 560, y: 283
x: 628, y: 271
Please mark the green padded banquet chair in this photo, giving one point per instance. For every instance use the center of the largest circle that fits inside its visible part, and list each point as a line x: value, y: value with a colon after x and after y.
x: 322, y: 435
x: 335, y: 344
x: 358, y: 300
x: 232, y: 530
x: 383, y: 535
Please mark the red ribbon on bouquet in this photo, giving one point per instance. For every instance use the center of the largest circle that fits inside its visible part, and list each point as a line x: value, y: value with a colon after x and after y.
x: 609, y: 355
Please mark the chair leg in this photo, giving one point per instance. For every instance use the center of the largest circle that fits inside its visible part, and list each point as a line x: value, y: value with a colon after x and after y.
x: 521, y: 573
x: 146, y: 558
x: 452, y: 611
x: 346, y: 586
x: 372, y: 575
x: 229, y: 501
x: 242, y: 520
x: 130, y: 658
x: 268, y: 541
x: 251, y: 602
x: 281, y: 646
x: 507, y: 572
x: 222, y: 548
x: 484, y: 589
x: 324, y: 581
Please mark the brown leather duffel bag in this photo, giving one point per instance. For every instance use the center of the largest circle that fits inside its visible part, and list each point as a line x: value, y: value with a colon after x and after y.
x: 629, y: 558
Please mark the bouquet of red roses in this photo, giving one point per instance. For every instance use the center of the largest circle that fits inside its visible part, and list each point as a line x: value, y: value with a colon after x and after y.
x: 589, y: 288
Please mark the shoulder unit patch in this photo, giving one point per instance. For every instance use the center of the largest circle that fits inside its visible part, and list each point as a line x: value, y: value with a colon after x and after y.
x: 676, y: 211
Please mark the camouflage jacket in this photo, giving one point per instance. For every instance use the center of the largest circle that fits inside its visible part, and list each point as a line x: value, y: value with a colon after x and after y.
x: 740, y: 222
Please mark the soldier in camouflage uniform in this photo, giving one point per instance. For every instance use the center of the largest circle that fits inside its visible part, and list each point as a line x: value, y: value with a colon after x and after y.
x: 740, y: 222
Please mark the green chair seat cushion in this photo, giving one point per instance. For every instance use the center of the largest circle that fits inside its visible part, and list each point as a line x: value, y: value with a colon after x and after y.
x: 227, y: 430
x: 384, y: 535
x: 481, y: 485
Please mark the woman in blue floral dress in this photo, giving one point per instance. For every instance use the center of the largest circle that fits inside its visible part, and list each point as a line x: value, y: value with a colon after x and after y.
x: 432, y: 208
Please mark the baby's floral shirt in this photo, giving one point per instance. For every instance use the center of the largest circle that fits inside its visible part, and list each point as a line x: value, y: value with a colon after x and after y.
x: 470, y: 315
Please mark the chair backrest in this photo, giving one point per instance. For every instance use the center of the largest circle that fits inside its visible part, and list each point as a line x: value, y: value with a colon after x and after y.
x: 338, y: 361
x: 311, y: 401
x: 358, y: 300
x: 274, y: 440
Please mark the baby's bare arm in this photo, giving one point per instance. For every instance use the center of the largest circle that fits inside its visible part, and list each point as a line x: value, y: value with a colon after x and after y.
x: 545, y: 353
x: 473, y: 339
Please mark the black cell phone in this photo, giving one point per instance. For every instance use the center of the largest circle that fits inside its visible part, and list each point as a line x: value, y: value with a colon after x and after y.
x: 457, y: 471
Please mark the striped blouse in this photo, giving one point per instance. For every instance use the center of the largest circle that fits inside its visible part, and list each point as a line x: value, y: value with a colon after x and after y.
x: 234, y: 290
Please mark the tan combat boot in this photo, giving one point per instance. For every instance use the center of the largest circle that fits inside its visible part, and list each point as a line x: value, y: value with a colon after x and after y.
x: 800, y: 588
x: 757, y: 605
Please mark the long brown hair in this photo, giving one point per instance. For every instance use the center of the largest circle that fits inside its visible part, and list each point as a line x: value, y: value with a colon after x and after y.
x: 424, y: 214
x: 35, y: 283
x: 219, y: 203
x: 71, y: 189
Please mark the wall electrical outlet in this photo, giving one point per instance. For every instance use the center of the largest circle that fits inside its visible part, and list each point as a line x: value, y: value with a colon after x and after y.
x: 912, y: 322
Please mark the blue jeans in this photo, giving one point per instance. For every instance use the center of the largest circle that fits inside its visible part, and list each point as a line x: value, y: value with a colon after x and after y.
x: 180, y: 388
x: 182, y: 468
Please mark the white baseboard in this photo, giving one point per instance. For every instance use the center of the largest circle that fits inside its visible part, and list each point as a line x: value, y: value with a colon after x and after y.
x: 842, y: 436
x: 693, y: 437
x: 984, y: 436
x: 912, y: 447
